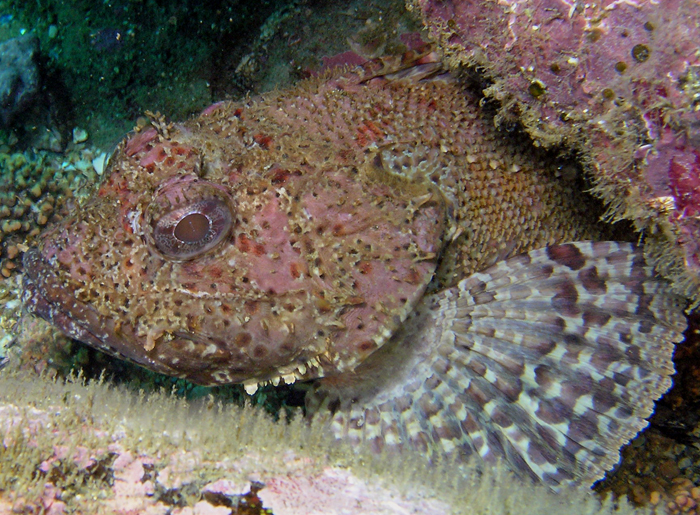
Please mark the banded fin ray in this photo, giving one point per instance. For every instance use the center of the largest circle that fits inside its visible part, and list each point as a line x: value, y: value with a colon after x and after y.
x: 551, y: 360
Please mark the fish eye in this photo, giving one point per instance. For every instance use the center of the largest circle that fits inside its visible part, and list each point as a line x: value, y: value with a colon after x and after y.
x: 193, y: 229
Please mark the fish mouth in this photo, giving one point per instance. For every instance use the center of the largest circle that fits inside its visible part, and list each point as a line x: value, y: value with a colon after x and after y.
x: 45, y: 296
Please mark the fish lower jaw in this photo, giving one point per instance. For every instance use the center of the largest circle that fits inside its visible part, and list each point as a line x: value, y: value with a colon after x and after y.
x: 288, y: 375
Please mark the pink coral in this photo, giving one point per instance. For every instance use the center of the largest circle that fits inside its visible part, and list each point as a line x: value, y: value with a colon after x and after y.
x: 617, y: 81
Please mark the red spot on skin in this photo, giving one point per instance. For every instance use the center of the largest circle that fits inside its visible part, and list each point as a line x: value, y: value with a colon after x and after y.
x: 251, y: 307
x: 263, y: 140
x: 215, y: 272
x: 243, y: 243
x: 294, y: 269
x: 280, y: 176
x: 412, y: 276
x: 338, y: 230
x: 345, y: 155
x: 169, y: 161
x: 242, y: 339
x: 140, y: 142
x: 362, y: 139
x: 365, y: 267
x: 156, y: 154
x: 376, y: 131
x: 366, y: 346
x: 115, y: 184
x: 368, y: 132
x: 238, y: 112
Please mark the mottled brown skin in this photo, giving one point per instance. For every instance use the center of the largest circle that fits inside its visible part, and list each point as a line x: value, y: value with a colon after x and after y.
x: 343, y: 195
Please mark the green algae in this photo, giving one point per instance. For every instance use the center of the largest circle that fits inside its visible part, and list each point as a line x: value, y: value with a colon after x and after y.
x: 39, y: 346
x: 123, y: 57
x: 69, y: 435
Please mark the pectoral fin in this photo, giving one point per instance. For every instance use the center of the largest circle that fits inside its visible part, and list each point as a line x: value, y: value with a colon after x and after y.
x: 551, y: 360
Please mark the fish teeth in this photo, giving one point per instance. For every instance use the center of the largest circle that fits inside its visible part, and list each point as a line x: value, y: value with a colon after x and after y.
x: 250, y: 388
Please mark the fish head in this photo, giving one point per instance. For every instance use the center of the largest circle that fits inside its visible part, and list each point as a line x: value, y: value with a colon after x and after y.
x: 237, y: 270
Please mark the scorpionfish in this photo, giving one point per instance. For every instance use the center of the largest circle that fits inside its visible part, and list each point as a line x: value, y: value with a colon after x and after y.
x: 449, y: 287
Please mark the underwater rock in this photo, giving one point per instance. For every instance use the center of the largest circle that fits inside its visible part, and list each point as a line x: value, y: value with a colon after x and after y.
x: 618, y: 82
x: 19, y: 76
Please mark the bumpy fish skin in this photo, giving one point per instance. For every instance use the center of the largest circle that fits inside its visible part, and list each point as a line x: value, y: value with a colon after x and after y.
x: 291, y: 236
x: 289, y: 285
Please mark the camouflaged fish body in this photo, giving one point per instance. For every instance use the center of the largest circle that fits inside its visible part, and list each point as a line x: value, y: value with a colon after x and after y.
x: 362, y: 228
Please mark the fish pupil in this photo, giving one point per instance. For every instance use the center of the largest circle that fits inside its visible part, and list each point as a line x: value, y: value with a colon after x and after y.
x: 192, y: 228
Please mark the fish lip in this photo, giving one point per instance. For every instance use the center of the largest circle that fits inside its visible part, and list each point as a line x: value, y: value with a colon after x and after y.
x: 37, y: 281
x: 45, y: 297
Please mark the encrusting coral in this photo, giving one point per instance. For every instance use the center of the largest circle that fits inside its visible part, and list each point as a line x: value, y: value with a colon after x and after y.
x: 33, y: 187
x: 617, y: 82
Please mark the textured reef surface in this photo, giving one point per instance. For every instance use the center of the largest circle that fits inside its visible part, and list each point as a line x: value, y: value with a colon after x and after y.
x: 618, y: 82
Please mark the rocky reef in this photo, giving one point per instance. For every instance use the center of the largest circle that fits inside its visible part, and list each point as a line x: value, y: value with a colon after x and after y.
x: 19, y: 76
x: 34, y: 185
x: 616, y: 82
